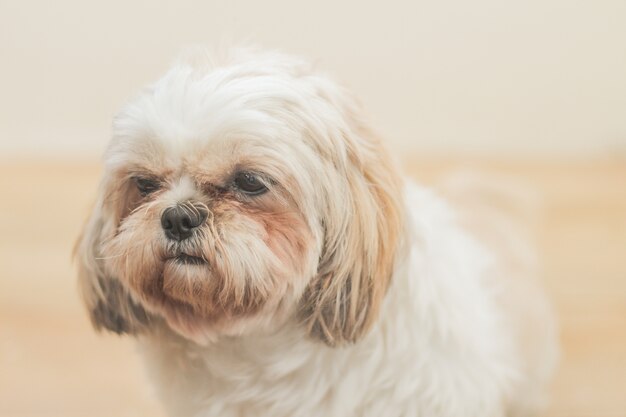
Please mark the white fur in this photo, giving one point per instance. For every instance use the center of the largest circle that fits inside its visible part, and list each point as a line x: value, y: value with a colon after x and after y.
x: 444, y: 343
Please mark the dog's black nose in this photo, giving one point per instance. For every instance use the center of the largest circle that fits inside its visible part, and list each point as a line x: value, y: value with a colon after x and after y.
x: 179, y: 221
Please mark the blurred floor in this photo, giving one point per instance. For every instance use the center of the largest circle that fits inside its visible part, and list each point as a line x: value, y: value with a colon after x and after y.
x: 52, y: 364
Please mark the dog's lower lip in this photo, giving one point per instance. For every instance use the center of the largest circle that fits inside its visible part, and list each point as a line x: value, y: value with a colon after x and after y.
x: 183, y: 258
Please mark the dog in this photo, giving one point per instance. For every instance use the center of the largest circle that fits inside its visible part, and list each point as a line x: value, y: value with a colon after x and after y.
x: 253, y: 234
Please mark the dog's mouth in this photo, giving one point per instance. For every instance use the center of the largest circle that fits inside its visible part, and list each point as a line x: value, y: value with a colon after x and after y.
x: 185, y: 259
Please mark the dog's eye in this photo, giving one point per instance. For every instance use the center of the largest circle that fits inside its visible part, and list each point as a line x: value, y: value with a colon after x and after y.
x: 249, y: 183
x: 146, y: 185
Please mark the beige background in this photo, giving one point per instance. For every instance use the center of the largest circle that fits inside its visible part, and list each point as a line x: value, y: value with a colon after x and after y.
x: 533, y: 91
x: 484, y: 76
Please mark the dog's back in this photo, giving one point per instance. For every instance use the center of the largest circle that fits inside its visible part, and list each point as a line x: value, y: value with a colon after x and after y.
x: 503, y: 214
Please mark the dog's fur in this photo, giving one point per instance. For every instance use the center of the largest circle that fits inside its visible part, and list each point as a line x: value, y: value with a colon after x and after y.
x: 340, y: 291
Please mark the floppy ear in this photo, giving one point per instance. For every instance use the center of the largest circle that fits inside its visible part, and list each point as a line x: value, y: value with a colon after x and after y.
x: 361, y: 240
x: 109, y: 304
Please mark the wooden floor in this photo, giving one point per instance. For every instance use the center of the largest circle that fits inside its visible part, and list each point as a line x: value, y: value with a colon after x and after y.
x: 52, y: 364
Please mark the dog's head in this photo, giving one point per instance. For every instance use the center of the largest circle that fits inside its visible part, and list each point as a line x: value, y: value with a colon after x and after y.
x: 237, y: 196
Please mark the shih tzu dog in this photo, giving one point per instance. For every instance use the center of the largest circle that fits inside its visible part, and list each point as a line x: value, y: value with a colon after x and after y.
x: 253, y: 234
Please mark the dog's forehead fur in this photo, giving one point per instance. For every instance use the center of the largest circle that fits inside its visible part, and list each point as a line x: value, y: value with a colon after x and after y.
x: 211, y: 115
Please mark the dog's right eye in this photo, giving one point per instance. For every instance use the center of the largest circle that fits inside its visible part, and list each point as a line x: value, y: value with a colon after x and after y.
x: 146, y: 185
x: 249, y: 183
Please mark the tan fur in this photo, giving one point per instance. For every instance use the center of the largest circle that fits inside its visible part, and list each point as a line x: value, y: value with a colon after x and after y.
x: 109, y: 304
x: 343, y: 301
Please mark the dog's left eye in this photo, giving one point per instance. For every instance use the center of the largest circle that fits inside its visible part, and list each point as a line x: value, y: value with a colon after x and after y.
x: 249, y: 183
x: 146, y: 185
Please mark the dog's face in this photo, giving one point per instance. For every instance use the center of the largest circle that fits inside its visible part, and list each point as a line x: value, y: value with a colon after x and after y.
x: 237, y: 197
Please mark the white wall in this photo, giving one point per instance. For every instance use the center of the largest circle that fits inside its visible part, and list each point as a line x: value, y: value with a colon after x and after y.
x: 539, y: 77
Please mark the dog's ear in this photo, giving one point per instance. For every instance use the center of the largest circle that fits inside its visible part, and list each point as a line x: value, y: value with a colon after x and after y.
x: 109, y: 304
x: 362, y: 236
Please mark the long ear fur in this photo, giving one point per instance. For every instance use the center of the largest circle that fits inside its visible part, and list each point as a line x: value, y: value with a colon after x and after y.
x: 342, y: 302
x: 109, y: 304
